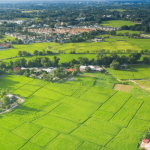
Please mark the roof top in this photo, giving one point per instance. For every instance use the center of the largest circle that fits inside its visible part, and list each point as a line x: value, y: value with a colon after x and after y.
x: 145, y: 140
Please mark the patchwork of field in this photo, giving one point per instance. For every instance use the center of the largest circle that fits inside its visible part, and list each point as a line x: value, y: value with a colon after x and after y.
x: 76, y: 115
x: 129, y: 31
x: 122, y: 44
x: 136, y: 72
x: 117, y: 23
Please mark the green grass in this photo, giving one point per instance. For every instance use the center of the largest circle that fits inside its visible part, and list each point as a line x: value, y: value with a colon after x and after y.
x: 117, y: 23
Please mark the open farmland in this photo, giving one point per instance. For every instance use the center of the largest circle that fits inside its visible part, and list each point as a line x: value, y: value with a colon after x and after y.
x: 76, y: 115
x: 6, y: 38
x: 136, y: 72
x: 117, y: 23
x: 119, y: 44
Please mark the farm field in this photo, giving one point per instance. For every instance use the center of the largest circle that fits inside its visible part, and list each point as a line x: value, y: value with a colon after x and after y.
x: 136, y: 72
x: 122, y: 44
x: 129, y: 31
x: 6, y: 38
x: 81, y: 114
x: 121, y: 10
x: 117, y: 23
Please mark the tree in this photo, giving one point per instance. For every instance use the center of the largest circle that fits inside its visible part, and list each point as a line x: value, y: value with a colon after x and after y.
x: 74, y: 73
x: 35, y: 52
x: 115, y: 65
x: 88, y: 69
x: 5, y: 101
x: 20, y: 53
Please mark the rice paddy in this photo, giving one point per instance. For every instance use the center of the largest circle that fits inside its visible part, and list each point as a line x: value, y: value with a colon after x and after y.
x: 81, y: 114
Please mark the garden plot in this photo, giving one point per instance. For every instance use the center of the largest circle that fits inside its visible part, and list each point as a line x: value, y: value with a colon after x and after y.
x: 38, y: 82
x: 23, y: 93
x: 144, y: 112
x: 64, y: 142
x: 70, y: 113
x: 31, y: 128
x: 83, y: 106
x: 56, y: 123
x: 80, y: 91
x: 103, y: 126
x: 31, y: 88
x: 44, y: 136
x: 31, y: 146
x: 133, y: 103
x: 139, y: 125
x: 13, y: 82
x: 104, y: 115
x: 64, y: 89
x: 102, y: 90
x: 115, y: 102
x: 92, y: 135
x: 89, y: 146
x: 45, y: 93
x: 95, y: 97
x: 10, y: 141
x: 9, y: 123
x: 36, y: 102
x: 126, y: 139
x: 123, y: 117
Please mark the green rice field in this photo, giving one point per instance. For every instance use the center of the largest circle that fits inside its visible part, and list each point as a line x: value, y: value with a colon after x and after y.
x: 136, y: 72
x: 117, y: 23
x: 112, y: 44
x: 83, y: 114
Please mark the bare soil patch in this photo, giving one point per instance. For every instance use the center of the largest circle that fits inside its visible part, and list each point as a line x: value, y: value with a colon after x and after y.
x: 122, y: 87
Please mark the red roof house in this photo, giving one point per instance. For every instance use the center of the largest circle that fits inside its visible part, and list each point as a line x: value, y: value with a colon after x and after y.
x: 71, y: 69
x: 145, y: 140
x: 16, y: 68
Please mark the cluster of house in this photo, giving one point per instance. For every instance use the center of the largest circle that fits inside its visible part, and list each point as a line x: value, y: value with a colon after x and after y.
x: 93, y: 68
x: 25, y: 38
x: 145, y: 144
x: 49, y: 70
x: 3, y: 46
x: 62, y: 30
x: 19, y: 22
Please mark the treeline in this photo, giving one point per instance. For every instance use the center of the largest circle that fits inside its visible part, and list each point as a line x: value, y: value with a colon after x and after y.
x: 101, y: 59
x: 35, y: 53
x: 137, y: 27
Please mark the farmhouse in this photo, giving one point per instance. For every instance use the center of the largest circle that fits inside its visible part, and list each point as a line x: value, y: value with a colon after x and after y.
x: 12, y: 97
x: 146, y: 144
x: 16, y: 68
x: 71, y: 69
x: 93, y: 68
